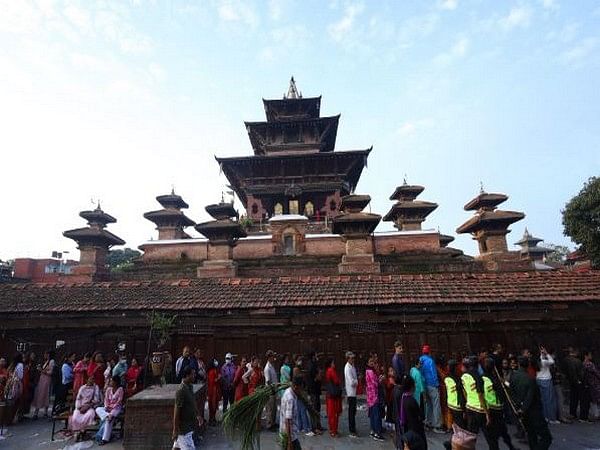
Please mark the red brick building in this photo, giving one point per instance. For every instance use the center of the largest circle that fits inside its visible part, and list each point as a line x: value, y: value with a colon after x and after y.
x: 304, y: 268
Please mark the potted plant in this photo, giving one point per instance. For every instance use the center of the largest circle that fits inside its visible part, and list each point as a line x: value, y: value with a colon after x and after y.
x: 162, y: 325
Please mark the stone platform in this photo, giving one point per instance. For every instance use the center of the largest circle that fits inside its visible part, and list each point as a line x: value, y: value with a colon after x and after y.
x: 149, y: 417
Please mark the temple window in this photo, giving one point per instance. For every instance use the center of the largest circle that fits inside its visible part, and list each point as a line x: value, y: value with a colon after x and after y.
x: 332, y: 205
x: 254, y: 208
x: 288, y: 244
x: 278, y: 209
x: 294, y: 208
x: 309, y: 209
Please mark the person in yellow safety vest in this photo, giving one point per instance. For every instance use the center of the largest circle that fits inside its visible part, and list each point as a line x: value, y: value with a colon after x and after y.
x: 476, y: 410
x: 455, y: 397
x: 494, y: 395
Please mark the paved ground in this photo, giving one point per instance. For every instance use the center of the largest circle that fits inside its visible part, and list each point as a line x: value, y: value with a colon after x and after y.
x: 31, y: 435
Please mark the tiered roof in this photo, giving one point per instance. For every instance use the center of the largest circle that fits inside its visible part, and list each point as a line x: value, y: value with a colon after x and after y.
x: 95, y: 234
x: 408, y: 213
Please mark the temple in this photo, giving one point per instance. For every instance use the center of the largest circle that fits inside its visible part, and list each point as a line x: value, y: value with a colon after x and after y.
x: 305, y: 267
x: 295, y: 168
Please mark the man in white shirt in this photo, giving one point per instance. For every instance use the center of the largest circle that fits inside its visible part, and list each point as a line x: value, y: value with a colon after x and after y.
x: 351, y: 380
x: 288, y: 417
x: 271, y: 379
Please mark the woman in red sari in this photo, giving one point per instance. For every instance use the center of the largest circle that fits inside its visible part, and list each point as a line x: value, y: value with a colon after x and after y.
x: 241, y: 388
x: 131, y: 378
x: 214, y: 391
x: 80, y: 373
x: 333, y: 397
x: 96, y: 370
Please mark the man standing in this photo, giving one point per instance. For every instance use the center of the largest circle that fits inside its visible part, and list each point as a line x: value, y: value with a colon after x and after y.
x: 574, y: 372
x: 398, y: 362
x: 433, y: 411
x: 351, y: 380
x: 288, y: 415
x: 227, y: 376
x: 314, y: 387
x: 526, y: 396
x: 271, y: 380
x: 182, y: 362
x: 185, y: 416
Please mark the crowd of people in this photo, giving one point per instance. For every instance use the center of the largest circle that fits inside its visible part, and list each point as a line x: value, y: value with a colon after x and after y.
x: 86, y: 388
x: 472, y: 393
x: 404, y: 398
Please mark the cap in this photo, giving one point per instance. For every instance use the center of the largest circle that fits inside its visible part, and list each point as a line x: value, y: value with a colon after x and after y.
x: 228, y: 356
x: 349, y: 355
x: 426, y: 349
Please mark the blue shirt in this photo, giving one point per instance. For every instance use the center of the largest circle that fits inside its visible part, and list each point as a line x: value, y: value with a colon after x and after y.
x: 429, y: 371
x: 67, y: 373
x: 398, y: 365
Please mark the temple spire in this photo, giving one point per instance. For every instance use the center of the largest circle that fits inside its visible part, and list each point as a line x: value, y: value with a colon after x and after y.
x: 293, y: 90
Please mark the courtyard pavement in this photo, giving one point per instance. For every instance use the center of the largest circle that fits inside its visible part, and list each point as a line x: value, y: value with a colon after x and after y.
x: 35, y: 435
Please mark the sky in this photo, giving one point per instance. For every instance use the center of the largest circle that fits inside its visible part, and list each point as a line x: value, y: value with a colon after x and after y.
x: 118, y: 101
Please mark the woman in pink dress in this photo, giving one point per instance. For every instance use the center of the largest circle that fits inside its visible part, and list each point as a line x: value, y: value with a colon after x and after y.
x: 41, y: 398
x: 113, y: 405
x: 80, y: 372
x: 84, y: 414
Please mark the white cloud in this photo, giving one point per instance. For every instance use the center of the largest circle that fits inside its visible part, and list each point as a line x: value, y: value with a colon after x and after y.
x: 266, y: 55
x: 550, y: 4
x: 237, y: 11
x: 341, y: 29
x: 577, y: 55
x: 448, y: 4
x: 275, y: 9
x: 458, y: 50
x: 518, y: 17
x: 77, y: 16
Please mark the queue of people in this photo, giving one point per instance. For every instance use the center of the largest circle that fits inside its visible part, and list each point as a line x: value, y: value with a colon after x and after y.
x: 474, y: 393
x: 87, y: 388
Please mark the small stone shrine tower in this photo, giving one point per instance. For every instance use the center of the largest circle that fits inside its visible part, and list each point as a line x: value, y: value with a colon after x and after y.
x: 93, y: 243
x: 356, y: 228
x: 170, y: 221
x: 530, y: 249
x: 489, y: 225
x: 223, y: 234
x: 407, y: 213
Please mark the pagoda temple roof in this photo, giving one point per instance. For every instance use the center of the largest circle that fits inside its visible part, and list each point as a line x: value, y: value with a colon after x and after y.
x: 528, y: 240
x: 327, y: 127
x: 93, y: 235
x: 415, y: 207
x: 407, y: 192
x: 485, y: 200
x: 169, y: 214
x: 265, y: 172
x: 365, y: 222
x: 445, y: 239
x: 172, y: 201
x: 97, y: 216
x: 492, y: 220
x: 290, y: 108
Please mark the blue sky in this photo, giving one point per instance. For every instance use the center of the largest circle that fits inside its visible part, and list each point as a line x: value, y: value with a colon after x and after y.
x: 120, y: 100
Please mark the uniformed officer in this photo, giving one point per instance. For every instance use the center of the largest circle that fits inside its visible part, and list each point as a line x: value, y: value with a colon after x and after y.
x: 493, y: 395
x: 455, y: 397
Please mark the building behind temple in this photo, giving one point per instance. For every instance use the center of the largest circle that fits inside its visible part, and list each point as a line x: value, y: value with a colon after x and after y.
x: 302, y: 267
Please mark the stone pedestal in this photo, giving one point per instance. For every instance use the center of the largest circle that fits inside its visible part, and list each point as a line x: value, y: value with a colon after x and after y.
x: 149, y: 417
x: 223, y: 268
x: 358, y: 264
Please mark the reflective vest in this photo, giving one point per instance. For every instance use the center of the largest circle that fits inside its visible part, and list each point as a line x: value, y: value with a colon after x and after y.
x: 489, y: 394
x: 471, y: 393
x: 452, y: 394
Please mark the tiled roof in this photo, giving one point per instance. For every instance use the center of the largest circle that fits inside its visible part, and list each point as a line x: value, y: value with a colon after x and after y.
x: 310, y: 291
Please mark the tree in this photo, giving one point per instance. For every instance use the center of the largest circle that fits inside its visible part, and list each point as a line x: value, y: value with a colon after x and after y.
x: 117, y: 259
x: 559, y: 254
x: 581, y: 219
